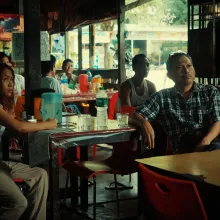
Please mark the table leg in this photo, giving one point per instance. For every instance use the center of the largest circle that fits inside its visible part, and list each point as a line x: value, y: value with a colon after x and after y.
x: 54, y: 184
x: 84, y: 181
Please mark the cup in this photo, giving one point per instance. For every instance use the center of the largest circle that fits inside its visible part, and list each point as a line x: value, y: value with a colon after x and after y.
x: 122, y: 119
x: 84, y: 122
x: 83, y: 83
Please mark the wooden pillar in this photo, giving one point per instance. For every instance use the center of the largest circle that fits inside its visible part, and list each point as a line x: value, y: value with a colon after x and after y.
x: 79, y: 48
x: 91, y: 45
x: 121, y: 40
x: 32, y: 64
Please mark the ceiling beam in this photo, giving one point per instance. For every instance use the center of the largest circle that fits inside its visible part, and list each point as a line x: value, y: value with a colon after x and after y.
x: 134, y: 5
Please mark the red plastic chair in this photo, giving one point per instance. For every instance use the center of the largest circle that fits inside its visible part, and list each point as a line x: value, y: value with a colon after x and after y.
x: 128, y: 109
x: 111, y: 106
x: 172, y: 198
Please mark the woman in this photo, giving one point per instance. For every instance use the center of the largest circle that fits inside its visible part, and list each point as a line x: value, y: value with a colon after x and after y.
x: 19, y: 79
x: 13, y: 204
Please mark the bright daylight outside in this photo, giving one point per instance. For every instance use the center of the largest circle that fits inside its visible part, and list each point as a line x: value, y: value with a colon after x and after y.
x: 156, y: 29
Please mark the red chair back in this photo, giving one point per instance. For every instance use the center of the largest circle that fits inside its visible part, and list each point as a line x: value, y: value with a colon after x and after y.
x: 111, y: 106
x: 128, y: 109
x: 172, y: 198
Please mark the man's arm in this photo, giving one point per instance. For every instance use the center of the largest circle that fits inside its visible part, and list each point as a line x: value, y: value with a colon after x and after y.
x: 212, y: 134
x: 214, y: 112
x: 148, y: 132
x: 144, y: 114
x: 125, y: 94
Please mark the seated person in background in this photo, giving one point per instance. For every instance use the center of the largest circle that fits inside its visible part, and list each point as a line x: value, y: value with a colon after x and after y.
x: 135, y: 91
x: 67, y: 68
x: 48, y: 71
x: 13, y: 203
x: 19, y: 79
x: 182, y: 108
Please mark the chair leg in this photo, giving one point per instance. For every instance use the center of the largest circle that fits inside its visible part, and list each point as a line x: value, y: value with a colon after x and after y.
x: 59, y: 156
x: 94, y: 148
x: 117, y: 197
x: 66, y: 188
x: 94, y: 197
x: 78, y: 153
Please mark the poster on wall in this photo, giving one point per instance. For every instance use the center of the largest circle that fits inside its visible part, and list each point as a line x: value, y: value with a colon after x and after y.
x: 18, y: 46
x: 8, y: 23
x: 58, y: 48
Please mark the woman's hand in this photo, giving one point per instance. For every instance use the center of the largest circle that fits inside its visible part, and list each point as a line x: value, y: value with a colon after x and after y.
x: 51, y: 123
x: 148, y: 134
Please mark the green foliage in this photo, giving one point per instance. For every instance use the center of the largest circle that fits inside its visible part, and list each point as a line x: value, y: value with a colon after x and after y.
x: 179, y: 9
x: 155, y: 12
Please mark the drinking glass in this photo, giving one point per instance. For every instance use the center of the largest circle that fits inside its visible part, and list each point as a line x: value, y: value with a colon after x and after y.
x: 122, y: 119
x: 84, y: 122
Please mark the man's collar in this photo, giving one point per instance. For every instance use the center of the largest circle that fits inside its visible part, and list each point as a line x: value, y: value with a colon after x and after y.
x: 174, y: 90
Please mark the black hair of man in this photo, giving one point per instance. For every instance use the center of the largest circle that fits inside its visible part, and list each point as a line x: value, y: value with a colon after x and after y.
x: 173, y: 57
x: 137, y: 57
x: 46, y: 67
x: 66, y: 61
x: 53, y: 59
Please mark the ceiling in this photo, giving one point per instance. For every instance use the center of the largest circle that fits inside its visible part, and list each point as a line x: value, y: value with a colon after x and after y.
x: 70, y: 12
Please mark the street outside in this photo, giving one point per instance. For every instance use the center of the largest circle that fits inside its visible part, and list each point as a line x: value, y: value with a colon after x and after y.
x: 160, y: 79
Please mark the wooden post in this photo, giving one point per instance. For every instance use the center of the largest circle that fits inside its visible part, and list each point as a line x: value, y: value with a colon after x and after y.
x: 32, y: 64
x: 80, y: 48
x: 91, y: 45
x: 121, y: 41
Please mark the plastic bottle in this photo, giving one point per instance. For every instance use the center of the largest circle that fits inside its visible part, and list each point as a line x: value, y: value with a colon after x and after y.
x: 102, y: 107
x: 64, y: 83
x: 89, y: 75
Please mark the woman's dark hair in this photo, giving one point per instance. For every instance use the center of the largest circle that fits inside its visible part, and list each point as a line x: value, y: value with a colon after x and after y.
x: 173, y: 57
x: 46, y: 67
x: 8, y: 105
x: 137, y: 57
x: 2, y: 55
x: 66, y: 61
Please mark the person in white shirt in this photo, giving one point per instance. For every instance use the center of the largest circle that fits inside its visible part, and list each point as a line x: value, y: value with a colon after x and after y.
x: 48, y: 71
x: 67, y: 68
x: 19, y: 84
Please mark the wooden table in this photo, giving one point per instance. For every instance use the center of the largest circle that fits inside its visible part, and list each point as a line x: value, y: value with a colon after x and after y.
x: 84, y: 97
x: 204, y: 163
x: 82, y: 139
x: 191, y: 166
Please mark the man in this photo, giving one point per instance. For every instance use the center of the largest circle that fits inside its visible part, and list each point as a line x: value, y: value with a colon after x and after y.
x: 67, y: 68
x: 182, y: 108
x: 48, y: 71
x: 135, y: 91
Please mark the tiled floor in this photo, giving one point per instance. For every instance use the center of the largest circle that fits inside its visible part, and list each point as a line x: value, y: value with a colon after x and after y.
x: 128, y: 208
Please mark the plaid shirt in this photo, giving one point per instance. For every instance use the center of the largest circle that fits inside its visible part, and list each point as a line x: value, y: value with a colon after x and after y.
x: 177, y: 115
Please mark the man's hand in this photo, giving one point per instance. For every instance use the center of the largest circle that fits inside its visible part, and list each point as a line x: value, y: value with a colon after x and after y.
x: 51, y: 123
x: 202, y: 144
x: 148, y: 134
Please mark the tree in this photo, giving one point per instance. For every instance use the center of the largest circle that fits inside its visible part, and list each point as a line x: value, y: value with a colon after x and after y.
x: 157, y: 12
x: 178, y: 8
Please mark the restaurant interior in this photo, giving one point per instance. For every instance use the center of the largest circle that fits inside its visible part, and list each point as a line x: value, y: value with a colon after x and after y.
x: 94, y: 35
